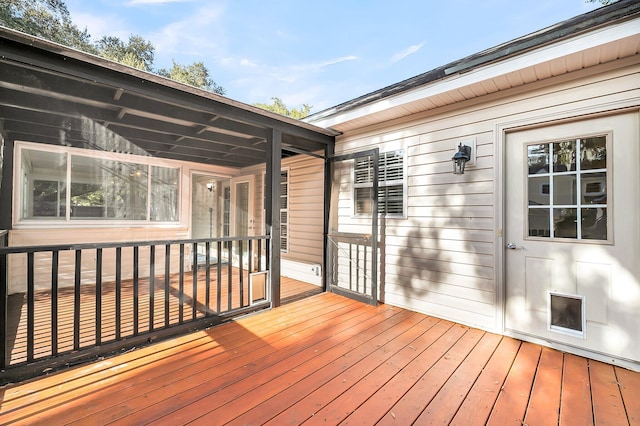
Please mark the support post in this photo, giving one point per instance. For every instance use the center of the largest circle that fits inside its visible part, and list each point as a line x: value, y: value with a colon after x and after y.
x: 272, y: 210
x: 329, y: 150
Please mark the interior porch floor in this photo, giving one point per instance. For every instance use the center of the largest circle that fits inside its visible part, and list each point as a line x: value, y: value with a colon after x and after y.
x: 327, y: 359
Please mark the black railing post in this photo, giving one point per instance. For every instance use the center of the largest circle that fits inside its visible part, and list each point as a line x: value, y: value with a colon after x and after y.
x: 167, y: 272
x: 207, y: 275
x: 31, y: 303
x: 152, y: 285
x: 219, y: 279
x: 55, y: 261
x: 118, y: 293
x: 76, y: 300
x: 181, y: 287
x: 4, y: 301
x: 136, y: 290
x: 194, y: 283
x: 98, y: 326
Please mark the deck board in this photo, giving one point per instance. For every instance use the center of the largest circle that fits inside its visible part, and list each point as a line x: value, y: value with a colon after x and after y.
x: 327, y: 359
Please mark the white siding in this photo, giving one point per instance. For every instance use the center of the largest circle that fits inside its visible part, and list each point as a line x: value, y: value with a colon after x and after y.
x: 441, y: 259
x: 306, y: 208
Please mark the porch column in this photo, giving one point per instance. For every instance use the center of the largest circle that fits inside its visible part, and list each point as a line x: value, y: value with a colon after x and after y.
x: 329, y: 151
x: 272, y: 210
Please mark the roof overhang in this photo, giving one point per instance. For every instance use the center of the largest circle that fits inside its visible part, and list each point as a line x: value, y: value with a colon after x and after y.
x: 532, y: 58
x: 56, y: 95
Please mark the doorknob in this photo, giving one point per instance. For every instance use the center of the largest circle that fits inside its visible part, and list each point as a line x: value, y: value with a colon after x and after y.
x: 513, y: 246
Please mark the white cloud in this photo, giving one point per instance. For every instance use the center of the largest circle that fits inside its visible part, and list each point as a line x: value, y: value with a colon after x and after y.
x: 406, y: 52
x: 247, y: 63
x: 199, y: 35
x: 103, y: 25
x: 337, y: 61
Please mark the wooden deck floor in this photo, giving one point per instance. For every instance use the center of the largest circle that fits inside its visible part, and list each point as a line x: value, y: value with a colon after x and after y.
x: 329, y: 360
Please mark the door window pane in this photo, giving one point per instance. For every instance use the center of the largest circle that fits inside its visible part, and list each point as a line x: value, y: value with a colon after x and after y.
x: 564, y: 190
x: 570, y: 200
x: 594, y: 188
x: 594, y: 224
x: 539, y: 223
x: 565, y: 223
x: 539, y: 191
x: 564, y: 156
x: 538, y: 158
x: 593, y: 153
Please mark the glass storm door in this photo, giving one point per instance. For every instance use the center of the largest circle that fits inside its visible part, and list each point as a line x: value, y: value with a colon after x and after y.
x: 571, y: 234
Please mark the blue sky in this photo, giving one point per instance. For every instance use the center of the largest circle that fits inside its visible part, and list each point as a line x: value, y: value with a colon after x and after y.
x: 323, y: 52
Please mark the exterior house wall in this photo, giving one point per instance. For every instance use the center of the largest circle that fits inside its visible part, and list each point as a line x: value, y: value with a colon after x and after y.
x: 303, y: 258
x: 445, y: 257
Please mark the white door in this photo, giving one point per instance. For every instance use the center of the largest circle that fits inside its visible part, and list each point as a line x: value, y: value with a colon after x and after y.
x: 572, y: 231
x: 242, y: 206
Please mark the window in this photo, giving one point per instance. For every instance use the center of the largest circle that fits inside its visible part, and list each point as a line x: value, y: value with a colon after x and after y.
x: 391, y: 184
x: 567, y: 189
x: 71, y: 186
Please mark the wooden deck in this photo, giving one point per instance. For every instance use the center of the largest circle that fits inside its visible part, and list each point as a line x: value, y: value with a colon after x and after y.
x: 329, y: 360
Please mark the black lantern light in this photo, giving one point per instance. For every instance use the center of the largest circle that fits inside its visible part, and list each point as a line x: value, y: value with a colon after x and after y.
x: 460, y: 159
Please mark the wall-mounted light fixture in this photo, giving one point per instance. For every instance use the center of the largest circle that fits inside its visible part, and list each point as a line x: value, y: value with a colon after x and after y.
x: 210, y: 186
x: 460, y: 159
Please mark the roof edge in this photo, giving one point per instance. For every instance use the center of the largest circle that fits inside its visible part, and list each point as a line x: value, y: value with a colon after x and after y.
x: 603, y: 16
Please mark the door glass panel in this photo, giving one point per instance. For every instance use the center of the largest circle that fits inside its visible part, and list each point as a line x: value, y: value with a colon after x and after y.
x: 593, y: 153
x: 594, y: 224
x: 564, y: 156
x: 242, y: 209
x: 594, y: 188
x: 564, y: 190
x: 565, y: 223
x: 539, y: 191
x: 538, y: 158
x: 539, y: 223
x: 570, y: 200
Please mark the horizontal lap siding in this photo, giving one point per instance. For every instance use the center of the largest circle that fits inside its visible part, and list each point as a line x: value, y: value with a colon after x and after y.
x: 440, y: 259
x: 306, y: 209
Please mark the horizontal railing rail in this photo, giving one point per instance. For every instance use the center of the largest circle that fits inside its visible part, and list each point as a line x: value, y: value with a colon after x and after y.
x: 64, y: 303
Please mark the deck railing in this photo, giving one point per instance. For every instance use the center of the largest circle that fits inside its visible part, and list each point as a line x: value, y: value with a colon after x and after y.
x: 65, y: 303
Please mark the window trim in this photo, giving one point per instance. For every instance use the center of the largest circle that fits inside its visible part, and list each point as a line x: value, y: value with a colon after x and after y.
x: 66, y: 221
x: 382, y: 184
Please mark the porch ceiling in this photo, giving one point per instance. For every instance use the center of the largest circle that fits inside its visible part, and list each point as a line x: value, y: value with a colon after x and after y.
x: 56, y: 95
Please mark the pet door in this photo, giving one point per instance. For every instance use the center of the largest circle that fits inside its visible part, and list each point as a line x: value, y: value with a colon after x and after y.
x: 566, y: 314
